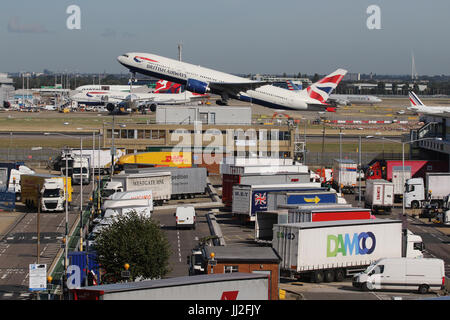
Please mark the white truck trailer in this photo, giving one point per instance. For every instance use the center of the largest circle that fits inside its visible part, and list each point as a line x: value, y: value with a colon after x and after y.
x: 345, y: 175
x: 217, y: 286
x: 332, y: 250
x: 379, y: 195
x: 160, y: 183
x: 433, y: 190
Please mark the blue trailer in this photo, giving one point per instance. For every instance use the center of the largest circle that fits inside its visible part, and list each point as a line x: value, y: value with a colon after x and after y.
x: 78, y: 258
x: 275, y: 199
x: 249, y: 199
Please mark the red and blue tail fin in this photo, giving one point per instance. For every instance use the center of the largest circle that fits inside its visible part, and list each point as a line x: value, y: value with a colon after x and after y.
x: 321, y: 90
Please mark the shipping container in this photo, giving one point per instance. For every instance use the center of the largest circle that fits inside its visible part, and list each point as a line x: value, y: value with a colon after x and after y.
x: 379, y: 195
x: 228, y: 286
x: 248, y: 199
x: 186, y: 182
x: 331, y: 250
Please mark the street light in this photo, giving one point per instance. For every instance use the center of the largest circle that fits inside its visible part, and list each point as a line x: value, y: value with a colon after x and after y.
x: 403, y: 161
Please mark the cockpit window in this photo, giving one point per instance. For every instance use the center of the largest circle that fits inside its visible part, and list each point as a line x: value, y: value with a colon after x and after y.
x: 125, y: 55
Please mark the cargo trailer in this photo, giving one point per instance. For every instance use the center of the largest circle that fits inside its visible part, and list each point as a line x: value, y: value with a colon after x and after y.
x: 225, y: 286
x: 331, y: 250
x: 248, y: 199
x: 265, y: 220
x: 344, y: 175
x: 186, y: 182
x: 379, y: 195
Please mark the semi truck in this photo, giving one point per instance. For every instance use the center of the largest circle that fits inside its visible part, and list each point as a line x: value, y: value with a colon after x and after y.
x: 248, y: 199
x: 379, y: 195
x: 81, y: 171
x: 331, y: 250
x: 382, y: 169
x: 432, y: 189
x: 99, y: 160
x: 186, y: 182
x: 265, y: 220
x: 345, y: 172
x: 160, y: 183
x: 50, y: 189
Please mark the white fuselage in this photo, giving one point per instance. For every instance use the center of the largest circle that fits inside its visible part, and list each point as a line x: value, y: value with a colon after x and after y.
x: 180, y: 72
x: 429, y: 110
x: 120, y: 88
x: 355, y: 98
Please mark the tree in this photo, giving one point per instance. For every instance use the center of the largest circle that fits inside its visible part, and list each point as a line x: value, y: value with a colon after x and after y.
x: 136, y: 240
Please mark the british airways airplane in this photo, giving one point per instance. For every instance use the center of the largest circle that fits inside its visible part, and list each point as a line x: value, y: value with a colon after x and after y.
x: 204, y: 80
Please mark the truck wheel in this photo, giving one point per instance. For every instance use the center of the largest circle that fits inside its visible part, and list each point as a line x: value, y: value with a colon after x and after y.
x: 423, y: 289
x: 340, y: 275
x: 415, y: 204
x: 318, y: 276
x: 364, y: 287
x: 329, y: 275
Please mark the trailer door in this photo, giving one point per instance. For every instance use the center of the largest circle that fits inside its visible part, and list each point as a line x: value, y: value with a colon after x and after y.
x: 388, y: 194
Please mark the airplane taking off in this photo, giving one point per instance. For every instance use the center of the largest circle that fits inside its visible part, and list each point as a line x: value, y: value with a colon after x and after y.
x: 341, y: 99
x: 417, y: 106
x: 203, y: 80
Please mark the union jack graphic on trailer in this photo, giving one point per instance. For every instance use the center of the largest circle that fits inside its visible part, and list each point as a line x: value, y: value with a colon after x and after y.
x: 260, y: 199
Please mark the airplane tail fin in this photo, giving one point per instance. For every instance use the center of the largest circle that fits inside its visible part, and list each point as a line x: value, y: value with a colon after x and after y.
x: 322, y: 89
x: 163, y: 86
x: 292, y: 86
x: 414, y: 99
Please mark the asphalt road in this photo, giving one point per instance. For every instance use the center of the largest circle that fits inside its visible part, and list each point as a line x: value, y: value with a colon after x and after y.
x: 19, y: 249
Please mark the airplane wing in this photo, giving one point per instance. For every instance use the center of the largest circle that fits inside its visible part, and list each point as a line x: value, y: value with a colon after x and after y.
x: 235, y: 88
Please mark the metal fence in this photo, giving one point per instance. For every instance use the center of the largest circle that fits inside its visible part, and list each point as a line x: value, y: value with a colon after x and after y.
x: 28, y: 154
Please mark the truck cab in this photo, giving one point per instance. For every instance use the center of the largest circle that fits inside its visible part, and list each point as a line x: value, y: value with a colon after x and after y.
x: 414, y: 193
x: 111, y: 187
x: 53, y: 196
x: 80, y: 171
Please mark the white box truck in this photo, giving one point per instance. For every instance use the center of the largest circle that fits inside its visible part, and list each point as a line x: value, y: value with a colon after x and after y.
x: 331, y: 250
x: 379, y: 195
x: 402, y: 274
x: 113, y: 208
x: 81, y: 171
x: 433, y: 190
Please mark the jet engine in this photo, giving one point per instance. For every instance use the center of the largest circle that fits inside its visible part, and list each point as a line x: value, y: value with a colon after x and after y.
x: 110, y: 107
x: 197, y: 86
x: 6, y: 104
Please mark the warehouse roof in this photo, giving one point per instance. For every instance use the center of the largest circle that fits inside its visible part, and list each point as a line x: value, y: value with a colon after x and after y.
x: 171, y: 282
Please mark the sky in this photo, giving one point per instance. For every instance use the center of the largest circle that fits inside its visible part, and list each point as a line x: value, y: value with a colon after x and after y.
x: 235, y: 36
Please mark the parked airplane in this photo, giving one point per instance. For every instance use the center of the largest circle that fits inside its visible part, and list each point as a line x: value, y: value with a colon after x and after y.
x: 341, y: 99
x: 118, y: 100
x: 202, y: 80
x: 120, y: 88
x: 417, y: 106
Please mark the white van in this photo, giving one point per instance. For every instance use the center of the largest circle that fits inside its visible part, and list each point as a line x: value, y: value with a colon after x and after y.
x: 402, y: 274
x: 185, y: 217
